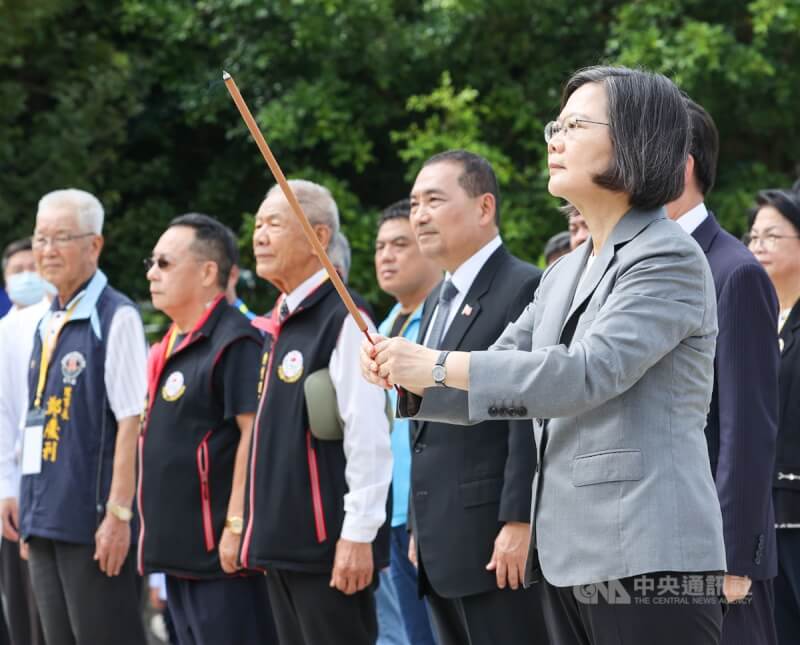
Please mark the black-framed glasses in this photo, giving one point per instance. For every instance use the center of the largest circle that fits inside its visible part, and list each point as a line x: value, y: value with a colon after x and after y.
x: 161, y: 262
x: 554, y: 128
x: 58, y: 241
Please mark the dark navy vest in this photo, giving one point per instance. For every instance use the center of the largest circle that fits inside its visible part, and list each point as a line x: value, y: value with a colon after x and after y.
x: 66, y: 500
x: 187, y: 449
x: 294, y: 501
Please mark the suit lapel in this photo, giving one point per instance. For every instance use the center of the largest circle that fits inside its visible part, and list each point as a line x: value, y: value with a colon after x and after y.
x: 471, y: 303
x: 462, y: 322
x: 631, y: 224
x: 705, y: 233
x: 427, y: 312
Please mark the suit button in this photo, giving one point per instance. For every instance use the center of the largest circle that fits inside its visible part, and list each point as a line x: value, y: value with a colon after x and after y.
x: 422, y: 493
x: 512, y: 412
x: 492, y: 411
x: 503, y: 412
x: 522, y: 410
x: 418, y: 449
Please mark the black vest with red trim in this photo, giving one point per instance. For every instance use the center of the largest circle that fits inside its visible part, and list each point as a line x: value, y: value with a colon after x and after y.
x: 294, y: 501
x: 187, y: 449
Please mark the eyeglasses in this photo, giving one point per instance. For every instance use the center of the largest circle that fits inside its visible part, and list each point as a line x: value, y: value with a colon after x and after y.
x: 768, y: 241
x: 161, y: 262
x: 554, y: 128
x: 57, y: 241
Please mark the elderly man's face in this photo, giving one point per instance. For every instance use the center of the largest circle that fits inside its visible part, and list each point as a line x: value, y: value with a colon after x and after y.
x: 177, y: 274
x: 65, y: 254
x: 283, y: 255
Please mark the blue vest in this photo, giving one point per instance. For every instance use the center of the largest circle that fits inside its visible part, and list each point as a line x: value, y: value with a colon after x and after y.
x: 66, y: 500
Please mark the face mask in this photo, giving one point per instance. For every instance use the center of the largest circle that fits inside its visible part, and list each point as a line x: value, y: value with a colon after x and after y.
x: 27, y: 288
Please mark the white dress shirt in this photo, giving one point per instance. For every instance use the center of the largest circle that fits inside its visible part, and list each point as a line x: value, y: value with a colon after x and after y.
x: 691, y: 219
x: 462, y: 279
x: 367, y: 445
x: 17, y: 330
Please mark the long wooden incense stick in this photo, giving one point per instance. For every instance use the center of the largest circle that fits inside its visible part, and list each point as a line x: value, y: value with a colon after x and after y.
x: 344, y: 294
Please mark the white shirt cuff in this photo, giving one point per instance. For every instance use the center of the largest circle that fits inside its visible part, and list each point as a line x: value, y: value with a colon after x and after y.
x: 359, y: 528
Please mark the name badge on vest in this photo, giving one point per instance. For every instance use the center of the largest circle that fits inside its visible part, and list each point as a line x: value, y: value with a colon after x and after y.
x: 32, y: 441
x: 71, y: 367
x: 291, y: 368
x: 174, y: 387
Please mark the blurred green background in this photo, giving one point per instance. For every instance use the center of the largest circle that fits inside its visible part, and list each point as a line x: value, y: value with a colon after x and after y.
x: 124, y: 99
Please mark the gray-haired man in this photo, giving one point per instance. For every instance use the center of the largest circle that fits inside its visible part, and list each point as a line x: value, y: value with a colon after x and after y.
x: 87, y: 386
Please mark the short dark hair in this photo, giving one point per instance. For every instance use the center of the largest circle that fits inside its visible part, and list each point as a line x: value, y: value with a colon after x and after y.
x: 213, y: 241
x: 704, y: 146
x: 235, y: 257
x: 559, y: 243
x: 786, y: 202
x: 17, y: 246
x: 649, y: 128
x: 400, y: 209
x: 568, y: 211
x: 477, y: 176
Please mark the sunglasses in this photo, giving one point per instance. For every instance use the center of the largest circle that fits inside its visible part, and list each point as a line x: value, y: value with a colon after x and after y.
x: 161, y: 262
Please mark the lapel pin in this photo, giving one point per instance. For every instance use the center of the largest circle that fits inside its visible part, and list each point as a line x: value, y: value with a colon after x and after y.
x: 466, y: 311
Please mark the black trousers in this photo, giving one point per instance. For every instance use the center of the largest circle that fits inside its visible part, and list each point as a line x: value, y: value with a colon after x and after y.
x: 79, y: 604
x: 753, y: 619
x: 626, y: 612
x: 308, y: 611
x: 491, y: 618
x: 228, y: 611
x: 787, y: 587
x: 22, y: 618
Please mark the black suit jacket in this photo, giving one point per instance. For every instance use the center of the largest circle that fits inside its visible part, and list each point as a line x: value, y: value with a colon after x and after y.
x: 787, y: 467
x: 743, y: 417
x: 467, y: 481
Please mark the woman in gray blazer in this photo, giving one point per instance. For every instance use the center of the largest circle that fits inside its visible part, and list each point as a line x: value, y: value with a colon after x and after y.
x: 613, y: 362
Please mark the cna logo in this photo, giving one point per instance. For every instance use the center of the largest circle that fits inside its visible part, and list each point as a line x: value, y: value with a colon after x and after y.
x: 612, y: 592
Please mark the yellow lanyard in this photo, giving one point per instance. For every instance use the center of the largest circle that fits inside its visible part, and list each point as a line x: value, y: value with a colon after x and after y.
x: 172, y: 336
x: 48, y: 347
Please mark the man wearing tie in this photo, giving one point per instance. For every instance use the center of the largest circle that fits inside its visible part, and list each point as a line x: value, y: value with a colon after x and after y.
x: 470, y: 489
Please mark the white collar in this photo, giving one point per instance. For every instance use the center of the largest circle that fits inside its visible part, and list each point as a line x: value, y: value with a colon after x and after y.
x: 463, y: 277
x: 302, y: 291
x: 691, y: 219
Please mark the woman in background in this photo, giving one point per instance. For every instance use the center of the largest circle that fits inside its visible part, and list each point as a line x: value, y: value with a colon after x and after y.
x: 775, y: 241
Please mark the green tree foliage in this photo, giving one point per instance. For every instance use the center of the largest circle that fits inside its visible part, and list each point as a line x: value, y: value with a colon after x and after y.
x: 125, y: 99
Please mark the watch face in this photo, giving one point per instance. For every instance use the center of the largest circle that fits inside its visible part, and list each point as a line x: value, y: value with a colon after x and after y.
x: 439, y: 373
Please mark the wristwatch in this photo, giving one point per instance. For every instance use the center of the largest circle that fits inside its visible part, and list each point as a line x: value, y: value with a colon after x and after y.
x: 439, y: 371
x: 235, y: 525
x: 122, y: 513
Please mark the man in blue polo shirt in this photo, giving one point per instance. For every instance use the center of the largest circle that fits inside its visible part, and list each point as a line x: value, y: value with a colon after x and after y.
x: 404, y: 273
x: 86, y: 393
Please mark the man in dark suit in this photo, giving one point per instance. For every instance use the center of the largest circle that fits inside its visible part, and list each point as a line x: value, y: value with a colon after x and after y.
x: 743, y: 417
x: 471, y: 487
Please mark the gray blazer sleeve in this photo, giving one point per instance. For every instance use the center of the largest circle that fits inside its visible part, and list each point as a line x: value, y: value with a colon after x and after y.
x: 450, y: 405
x: 653, y: 305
